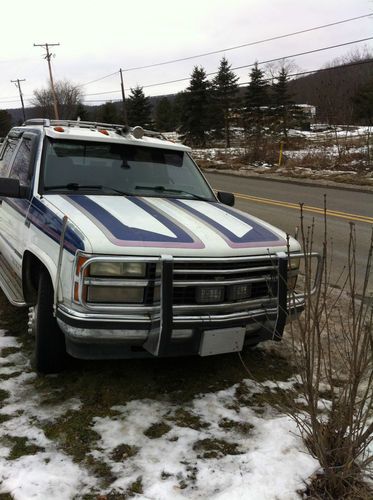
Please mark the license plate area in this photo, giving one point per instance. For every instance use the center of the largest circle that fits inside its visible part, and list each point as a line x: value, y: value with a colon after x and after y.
x: 222, y: 341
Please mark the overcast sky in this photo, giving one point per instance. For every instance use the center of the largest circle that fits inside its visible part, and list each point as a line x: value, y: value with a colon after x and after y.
x: 97, y: 37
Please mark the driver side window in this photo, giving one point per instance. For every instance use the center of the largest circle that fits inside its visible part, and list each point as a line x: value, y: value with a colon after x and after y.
x: 21, y: 164
x: 6, y: 156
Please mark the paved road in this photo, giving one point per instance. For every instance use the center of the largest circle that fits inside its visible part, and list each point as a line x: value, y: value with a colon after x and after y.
x: 278, y: 203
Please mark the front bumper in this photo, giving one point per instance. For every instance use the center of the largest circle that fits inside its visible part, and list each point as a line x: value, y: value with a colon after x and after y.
x: 168, y: 331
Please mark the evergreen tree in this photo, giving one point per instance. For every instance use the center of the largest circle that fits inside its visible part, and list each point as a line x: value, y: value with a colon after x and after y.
x: 284, y: 111
x: 108, y: 113
x: 164, y: 116
x: 225, y: 97
x: 195, y: 116
x: 257, y: 113
x: 5, y: 122
x: 257, y: 91
x: 83, y: 112
x: 282, y: 103
x: 139, y: 108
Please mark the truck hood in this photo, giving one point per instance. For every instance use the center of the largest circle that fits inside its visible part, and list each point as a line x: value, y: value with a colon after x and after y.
x: 180, y: 227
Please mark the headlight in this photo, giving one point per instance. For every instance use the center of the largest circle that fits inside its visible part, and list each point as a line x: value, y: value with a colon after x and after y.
x: 115, y: 294
x: 118, y: 269
x: 294, y: 264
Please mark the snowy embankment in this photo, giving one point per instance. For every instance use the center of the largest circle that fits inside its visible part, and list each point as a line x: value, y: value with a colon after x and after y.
x: 216, y: 445
x: 343, y: 154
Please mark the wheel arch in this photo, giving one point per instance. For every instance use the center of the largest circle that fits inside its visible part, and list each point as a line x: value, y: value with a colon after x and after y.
x: 32, y: 265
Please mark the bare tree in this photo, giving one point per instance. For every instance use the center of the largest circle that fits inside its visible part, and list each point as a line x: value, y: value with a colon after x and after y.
x: 273, y: 69
x: 69, y: 97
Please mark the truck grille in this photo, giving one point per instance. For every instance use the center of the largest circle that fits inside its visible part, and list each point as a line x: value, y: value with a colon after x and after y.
x: 259, y: 273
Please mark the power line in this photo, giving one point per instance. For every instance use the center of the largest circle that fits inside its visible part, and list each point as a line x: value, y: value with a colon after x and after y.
x: 98, y: 79
x: 290, y: 75
x: 261, y: 62
x: 246, y: 65
x: 250, y: 43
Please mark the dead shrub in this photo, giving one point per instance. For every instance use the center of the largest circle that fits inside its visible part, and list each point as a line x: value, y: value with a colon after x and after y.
x: 332, y: 346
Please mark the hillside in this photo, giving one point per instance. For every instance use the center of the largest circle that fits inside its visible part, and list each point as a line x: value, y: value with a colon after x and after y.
x: 332, y: 90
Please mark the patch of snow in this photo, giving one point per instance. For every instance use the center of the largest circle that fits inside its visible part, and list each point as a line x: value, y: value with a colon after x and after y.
x: 272, y: 448
x: 174, y: 465
x: 46, y: 475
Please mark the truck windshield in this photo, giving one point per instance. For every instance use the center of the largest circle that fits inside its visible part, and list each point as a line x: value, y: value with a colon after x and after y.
x: 108, y: 168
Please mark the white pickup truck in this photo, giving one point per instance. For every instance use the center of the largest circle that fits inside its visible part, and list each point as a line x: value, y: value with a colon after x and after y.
x: 118, y: 245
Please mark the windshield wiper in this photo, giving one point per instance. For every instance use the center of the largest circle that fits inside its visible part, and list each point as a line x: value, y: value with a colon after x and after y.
x: 74, y: 186
x: 163, y: 189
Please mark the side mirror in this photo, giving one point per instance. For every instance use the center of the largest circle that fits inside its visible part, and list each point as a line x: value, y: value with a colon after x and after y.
x: 11, y: 188
x: 226, y: 198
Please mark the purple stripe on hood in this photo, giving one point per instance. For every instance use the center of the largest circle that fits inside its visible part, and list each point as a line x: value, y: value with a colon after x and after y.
x: 123, y: 235
x: 257, y: 236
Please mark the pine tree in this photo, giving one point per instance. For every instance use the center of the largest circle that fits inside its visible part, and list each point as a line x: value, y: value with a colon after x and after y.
x: 82, y: 112
x: 225, y: 97
x: 108, y: 113
x: 195, y: 116
x: 285, y: 113
x: 282, y: 103
x: 257, y: 91
x: 139, y: 108
x: 256, y: 114
x: 164, y: 116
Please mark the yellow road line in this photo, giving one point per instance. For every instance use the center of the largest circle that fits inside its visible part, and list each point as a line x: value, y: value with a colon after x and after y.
x: 306, y: 208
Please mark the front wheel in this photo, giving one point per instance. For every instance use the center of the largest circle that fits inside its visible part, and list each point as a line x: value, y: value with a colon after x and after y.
x: 50, y: 348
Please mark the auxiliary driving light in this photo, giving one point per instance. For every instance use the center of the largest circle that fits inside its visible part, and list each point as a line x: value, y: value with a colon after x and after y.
x: 239, y: 292
x: 210, y: 295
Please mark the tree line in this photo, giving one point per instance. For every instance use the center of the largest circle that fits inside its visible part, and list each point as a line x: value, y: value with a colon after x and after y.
x: 210, y: 111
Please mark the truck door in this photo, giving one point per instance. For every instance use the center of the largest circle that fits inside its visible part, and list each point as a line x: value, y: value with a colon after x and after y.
x: 14, y: 210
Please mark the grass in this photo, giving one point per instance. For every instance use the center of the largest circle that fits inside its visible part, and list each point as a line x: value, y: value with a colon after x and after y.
x: 238, y: 427
x: 20, y: 446
x: 7, y: 351
x: 215, y: 448
x: 123, y: 451
x: 3, y: 395
x: 157, y: 430
x: 184, y: 418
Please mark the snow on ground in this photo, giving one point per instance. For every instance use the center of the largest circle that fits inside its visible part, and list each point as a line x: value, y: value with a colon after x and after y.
x: 215, y: 446
x: 195, y: 464
x: 47, y: 472
x: 350, y: 145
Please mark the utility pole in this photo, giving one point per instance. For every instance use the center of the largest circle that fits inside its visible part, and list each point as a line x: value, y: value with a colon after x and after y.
x: 48, y: 58
x: 125, y: 119
x: 18, y: 85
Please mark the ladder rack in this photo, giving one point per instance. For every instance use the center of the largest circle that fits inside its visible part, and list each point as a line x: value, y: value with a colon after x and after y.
x: 120, y: 129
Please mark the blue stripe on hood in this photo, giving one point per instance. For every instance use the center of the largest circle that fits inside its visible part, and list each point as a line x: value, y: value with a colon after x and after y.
x: 44, y: 219
x: 123, y: 233
x: 258, y: 234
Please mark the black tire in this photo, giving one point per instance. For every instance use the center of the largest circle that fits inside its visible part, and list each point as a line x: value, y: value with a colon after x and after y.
x: 50, y: 348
